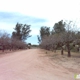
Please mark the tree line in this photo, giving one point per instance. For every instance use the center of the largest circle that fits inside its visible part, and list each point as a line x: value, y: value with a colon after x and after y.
x: 62, y: 36
x: 17, y: 39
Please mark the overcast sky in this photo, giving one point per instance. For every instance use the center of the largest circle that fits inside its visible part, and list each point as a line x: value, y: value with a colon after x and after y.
x: 37, y: 13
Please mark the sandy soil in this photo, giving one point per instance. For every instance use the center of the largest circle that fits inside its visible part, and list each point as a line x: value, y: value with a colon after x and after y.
x: 72, y: 63
x: 32, y: 64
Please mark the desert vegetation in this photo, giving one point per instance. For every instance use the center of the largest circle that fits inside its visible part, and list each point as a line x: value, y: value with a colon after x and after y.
x: 17, y: 39
x: 62, y: 37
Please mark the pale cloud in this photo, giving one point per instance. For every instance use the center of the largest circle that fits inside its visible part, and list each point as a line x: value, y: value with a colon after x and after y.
x: 8, y: 21
x: 52, y: 10
x: 10, y: 17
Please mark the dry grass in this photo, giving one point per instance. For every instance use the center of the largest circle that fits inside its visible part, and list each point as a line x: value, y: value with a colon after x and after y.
x: 71, y: 63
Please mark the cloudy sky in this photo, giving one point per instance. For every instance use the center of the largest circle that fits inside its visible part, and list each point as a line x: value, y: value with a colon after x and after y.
x: 37, y: 13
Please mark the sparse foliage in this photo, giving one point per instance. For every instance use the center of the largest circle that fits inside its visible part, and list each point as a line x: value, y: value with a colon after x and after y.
x: 61, y: 35
x: 21, y: 31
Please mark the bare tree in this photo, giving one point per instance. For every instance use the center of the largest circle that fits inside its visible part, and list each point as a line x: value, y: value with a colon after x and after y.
x: 68, y: 37
x: 4, y: 38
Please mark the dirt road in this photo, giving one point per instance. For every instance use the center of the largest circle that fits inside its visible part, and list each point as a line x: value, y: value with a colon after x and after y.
x: 31, y: 65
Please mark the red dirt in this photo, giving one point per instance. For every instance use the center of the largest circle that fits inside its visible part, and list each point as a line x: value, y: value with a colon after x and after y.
x: 30, y: 65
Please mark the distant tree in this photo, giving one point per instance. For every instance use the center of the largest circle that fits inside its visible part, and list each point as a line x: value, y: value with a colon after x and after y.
x: 4, y: 40
x: 77, y: 40
x: 68, y: 36
x: 44, y: 31
x: 59, y: 27
x: 29, y: 43
x: 63, y: 35
x: 39, y: 39
x: 21, y: 31
x: 78, y: 35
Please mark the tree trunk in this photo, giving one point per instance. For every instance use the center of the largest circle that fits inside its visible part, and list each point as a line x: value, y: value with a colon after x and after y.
x: 68, y: 47
x: 3, y: 48
x: 61, y: 50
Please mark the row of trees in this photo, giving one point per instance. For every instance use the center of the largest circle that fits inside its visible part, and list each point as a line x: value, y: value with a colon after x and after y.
x: 17, y: 39
x: 61, y: 37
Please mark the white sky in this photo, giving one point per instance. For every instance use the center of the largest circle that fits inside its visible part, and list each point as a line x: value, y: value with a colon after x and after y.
x: 43, y: 8
x: 52, y: 10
